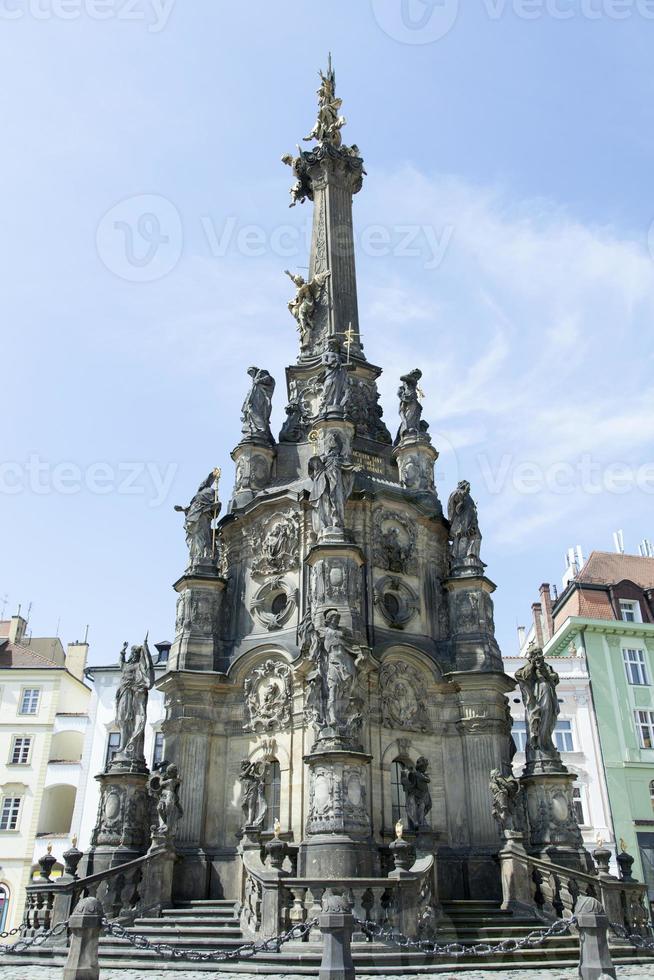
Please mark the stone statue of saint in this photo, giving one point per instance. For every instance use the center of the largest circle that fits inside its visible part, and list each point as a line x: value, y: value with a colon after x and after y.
x: 198, y: 519
x: 304, y: 303
x: 332, y: 482
x: 504, y: 791
x: 253, y: 799
x: 465, y: 535
x: 415, y: 783
x: 255, y: 414
x: 136, y: 680
x: 164, y: 787
x: 333, y: 700
x: 411, y: 422
x: 301, y: 189
x: 329, y: 123
x: 538, y: 683
x: 335, y: 381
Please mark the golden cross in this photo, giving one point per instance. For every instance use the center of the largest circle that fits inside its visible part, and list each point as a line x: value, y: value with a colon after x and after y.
x: 314, y: 437
x: 349, y: 337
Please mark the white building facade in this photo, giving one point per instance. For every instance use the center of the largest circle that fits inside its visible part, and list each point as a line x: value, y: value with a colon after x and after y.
x: 104, y: 741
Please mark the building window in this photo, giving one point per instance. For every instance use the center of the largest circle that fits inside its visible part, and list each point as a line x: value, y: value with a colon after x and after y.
x: 645, y: 726
x: 630, y: 611
x: 398, y: 798
x: 519, y: 732
x: 273, y: 792
x: 578, y: 805
x: 634, y: 662
x: 158, y: 751
x: 4, y: 906
x: 113, y: 744
x: 9, y: 813
x: 563, y: 736
x: 29, y: 702
x: 20, y: 750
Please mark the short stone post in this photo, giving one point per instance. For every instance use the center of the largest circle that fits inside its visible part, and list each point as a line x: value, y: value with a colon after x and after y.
x: 336, y: 924
x: 85, y: 926
x: 594, y: 957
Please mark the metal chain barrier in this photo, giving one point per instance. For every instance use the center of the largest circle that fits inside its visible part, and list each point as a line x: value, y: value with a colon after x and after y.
x: 633, y: 938
x: 531, y: 940
x: 22, y: 944
x: 246, y: 951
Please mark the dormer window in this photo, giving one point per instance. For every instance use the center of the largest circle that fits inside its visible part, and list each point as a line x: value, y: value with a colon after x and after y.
x: 630, y: 611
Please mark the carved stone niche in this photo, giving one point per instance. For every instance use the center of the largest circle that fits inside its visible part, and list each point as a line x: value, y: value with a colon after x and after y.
x: 274, y: 603
x: 396, y: 601
x: 394, y: 542
x: 275, y: 544
x: 268, y: 694
x: 402, y: 697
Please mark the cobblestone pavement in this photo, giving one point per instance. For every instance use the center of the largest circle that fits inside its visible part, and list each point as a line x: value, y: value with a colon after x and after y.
x: 46, y: 973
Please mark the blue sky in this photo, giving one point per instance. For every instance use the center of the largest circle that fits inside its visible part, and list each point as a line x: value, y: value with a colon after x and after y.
x: 502, y: 247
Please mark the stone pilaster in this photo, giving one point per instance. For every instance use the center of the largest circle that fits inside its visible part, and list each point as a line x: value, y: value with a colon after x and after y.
x: 197, y: 624
x: 192, y: 700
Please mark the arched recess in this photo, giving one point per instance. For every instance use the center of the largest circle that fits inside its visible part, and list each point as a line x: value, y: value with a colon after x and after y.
x: 56, y: 814
x: 400, y: 750
x: 275, y: 757
x: 66, y: 746
x: 5, y: 897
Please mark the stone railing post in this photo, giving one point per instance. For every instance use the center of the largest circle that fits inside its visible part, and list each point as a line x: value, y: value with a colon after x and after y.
x: 594, y: 957
x: 85, y: 926
x: 517, y: 886
x: 336, y: 924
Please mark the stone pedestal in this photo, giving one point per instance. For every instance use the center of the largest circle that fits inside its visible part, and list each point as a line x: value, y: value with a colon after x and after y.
x: 554, y: 832
x: 254, y: 458
x: 122, y: 830
x: 197, y: 624
x: 336, y: 580
x: 337, y: 841
x: 471, y: 616
x: 415, y: 457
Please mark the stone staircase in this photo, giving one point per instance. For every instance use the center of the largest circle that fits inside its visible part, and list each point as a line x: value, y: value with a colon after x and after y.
x: 214, y: 925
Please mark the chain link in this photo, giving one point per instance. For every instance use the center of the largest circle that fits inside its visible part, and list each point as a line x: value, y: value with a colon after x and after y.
x: 633, y: 938
x: 246, y: 951
x: 531, y: 940
x: 8, y: 949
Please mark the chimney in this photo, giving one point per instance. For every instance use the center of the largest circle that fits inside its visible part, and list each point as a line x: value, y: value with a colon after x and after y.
x: 537, y: 613
x: 17, y: 628
x: 546, y: 603
x: 76, y: 656
x: 522, y: 636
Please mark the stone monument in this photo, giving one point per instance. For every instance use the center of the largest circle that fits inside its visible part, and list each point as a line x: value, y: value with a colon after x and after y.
x: 334, y: 627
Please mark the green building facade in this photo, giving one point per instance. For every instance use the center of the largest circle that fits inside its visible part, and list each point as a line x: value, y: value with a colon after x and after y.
x: 606, y: 614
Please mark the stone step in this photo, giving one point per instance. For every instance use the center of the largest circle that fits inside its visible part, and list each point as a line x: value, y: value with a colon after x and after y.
x: 200, y: 910
x: 204, y: 922
x: 161, y: 932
